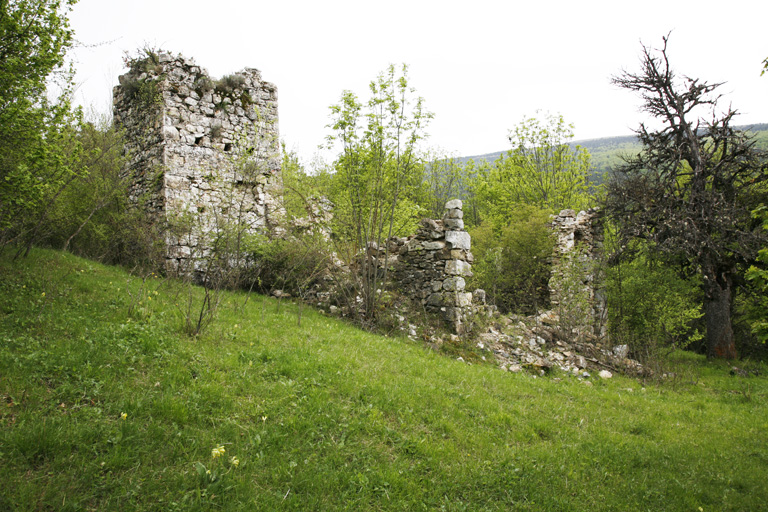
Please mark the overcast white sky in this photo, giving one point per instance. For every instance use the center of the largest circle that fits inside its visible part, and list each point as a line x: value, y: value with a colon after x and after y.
x: 480, y: 65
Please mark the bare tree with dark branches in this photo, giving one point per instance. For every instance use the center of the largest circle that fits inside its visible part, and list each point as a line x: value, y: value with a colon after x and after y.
x: 691, y: 190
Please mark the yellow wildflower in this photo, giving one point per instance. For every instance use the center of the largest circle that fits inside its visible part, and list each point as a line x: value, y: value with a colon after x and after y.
x: 123, y: 416
x: 217, y: 452
x: 234, y: 461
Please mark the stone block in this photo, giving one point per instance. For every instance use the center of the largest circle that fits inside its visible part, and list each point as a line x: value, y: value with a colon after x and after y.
x: 170, y: 133
x: 454, y: 284
x: 458, y: 239
x: 457, y: 268
x: 435, y: 299
x: 456, y: 224
x: 433, y: 246
x: 463, y: 300
x: 453, y: 204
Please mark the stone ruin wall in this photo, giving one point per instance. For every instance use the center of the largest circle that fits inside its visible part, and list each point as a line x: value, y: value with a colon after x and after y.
x: 432, y: 264
x: 204, y: 149
x: 199, y: 149
x: 575, y: 282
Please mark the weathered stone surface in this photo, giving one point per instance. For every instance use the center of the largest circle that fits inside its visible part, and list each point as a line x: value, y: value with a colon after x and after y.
x: 456, y: 224
x: 621, y: 351
x: 433, y: 246
x: 454, y: 214
x: 454, y: 284
x: 454, y: 204
x: 458, y: 239
x: 463, y: 300
x: 574, y: 283
x: 458, y: 268
x: 432, y: 265
x: 190, y: 140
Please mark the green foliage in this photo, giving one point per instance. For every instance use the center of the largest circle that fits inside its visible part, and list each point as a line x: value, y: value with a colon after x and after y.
x: 90, y: 217
x: 651, y: 307
x: 756, y: 309
x: 378, y: 174
x: 512, y: 261
x: 541, y: 169
x: 291, y: 263
x: 304, y: 194
x: 38, y: 150
x: 204, y: 85
x: 341, y: 418
x: 228, y: 84
x: 142, y: 84
x: 690, y: 192
x: 231, y: 87
x: 445, y: 178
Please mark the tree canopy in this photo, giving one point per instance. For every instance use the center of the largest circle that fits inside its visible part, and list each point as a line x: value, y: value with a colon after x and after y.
x: 378, y: 173
x: 691, y: 190
x: 37, y: 146
x: 541, y: 170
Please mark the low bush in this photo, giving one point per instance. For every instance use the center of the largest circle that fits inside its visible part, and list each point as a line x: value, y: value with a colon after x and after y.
x: 512, y: 262
x: 652, y: 308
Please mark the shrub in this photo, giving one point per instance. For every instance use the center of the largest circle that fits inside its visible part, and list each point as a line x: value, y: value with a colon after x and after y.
x: 292, y: 264
x: 512, y: 262
x: 228, y: 84
x: 651, y: 307
x: 204, y: 85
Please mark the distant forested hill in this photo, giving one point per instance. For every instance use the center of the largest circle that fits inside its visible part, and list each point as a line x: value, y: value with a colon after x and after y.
x: 608, y: 151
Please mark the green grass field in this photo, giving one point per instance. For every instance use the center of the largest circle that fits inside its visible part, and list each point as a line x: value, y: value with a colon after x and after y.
x: 105, y: 404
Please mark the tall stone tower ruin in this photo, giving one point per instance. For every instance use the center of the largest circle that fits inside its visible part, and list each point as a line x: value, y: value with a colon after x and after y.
x: 203, y: 155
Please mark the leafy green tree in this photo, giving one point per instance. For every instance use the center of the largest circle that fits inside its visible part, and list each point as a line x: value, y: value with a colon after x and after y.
x: 445, y: 178
x: 512, y: 261
x: 757, y: 275
x: 541, y: 169
x: 651, y: 306
x: 38, y: 146
x: 90, y: 217
x: 691, y: 190
x: 378, y: 173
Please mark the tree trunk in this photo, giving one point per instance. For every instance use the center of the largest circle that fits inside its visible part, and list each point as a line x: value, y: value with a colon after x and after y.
x: 717, y: 313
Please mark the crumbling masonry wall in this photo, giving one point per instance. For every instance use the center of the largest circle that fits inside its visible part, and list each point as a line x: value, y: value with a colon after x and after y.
x: 201, y: 153
x: 432, y: 264
x: 575, y: 287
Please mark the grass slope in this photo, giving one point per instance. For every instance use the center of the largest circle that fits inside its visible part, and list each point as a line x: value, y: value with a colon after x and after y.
x: 323, y: 416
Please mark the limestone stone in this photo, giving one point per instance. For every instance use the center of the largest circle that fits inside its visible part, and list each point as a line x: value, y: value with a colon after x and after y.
x: 435, y: 299
x: 458, y: 239
x: 577, y: 249
x: 454, y: 214
x: 457, y: 268
x: 455, y: 224
x: 188, y: 135
x: 463, y: 300
x: 454, y: 204
x: 454, y: 284
x: 432, y: 265
x: 433, y: 246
